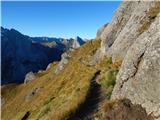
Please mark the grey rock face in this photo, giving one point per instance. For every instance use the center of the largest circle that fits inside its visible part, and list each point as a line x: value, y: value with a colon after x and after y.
x: 29, y: 77
x: 76, y: 43
x: 64, y: 60
x: 49, y: 66
x: 40, y: 71
x: 114, y: 28
x: 134, y: 37
x: 100, y: 30
x: 72, y: 45
x: 130, y: 20
x: 140, y: 20
x: 139, y: 76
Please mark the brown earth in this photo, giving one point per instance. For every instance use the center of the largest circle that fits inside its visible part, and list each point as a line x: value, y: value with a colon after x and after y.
x: 124, y: 110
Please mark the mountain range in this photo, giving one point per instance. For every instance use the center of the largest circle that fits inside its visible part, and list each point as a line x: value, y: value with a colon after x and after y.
x: 22, y: 54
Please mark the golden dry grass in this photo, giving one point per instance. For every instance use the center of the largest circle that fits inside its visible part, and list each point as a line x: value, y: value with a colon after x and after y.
x: 60, y: 95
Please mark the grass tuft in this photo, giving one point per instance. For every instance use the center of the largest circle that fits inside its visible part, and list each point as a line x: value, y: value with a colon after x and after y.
x: 151, y: 15
x: 109, y: 78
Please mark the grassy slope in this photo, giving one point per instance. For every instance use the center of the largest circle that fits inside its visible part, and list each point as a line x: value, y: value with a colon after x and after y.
x: 60, y: 95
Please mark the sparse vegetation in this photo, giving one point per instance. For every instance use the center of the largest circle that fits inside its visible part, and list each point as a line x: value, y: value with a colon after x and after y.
x: 109, y: 78
x: 108, y: 81
x: 105, y: 63
x: 151, y: 15
x: 109, y: 71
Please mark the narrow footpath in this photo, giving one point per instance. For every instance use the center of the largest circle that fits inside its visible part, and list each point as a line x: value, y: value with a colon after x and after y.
x: 91, y: 104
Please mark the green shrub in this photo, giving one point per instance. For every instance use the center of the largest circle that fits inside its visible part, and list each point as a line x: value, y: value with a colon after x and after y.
x: 108, y: 81
x: 48, y: 100
x: 109, y: 60
x: 44, y: 111
x: 109, y: 78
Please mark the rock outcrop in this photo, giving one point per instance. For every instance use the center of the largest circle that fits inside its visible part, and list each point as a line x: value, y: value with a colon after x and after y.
x: 72, y: 45
x: 49, y: 66
x: 134, y: 37
x: 75, y: 43
x: 64, y: 60
x: 139, y: 78
x: 29, y: 77
x: 100, y: 30
x: 129, y: 21
x: 115, y: 27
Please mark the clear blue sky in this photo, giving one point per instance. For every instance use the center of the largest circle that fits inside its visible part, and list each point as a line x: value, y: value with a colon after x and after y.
x: 57, y: 19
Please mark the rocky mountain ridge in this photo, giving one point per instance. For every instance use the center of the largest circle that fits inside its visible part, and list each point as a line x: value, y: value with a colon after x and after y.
x: 22, y: 54
x: 60, y: 43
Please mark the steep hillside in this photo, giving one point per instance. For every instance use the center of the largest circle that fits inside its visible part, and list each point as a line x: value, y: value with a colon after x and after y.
x: 52, y: 96
x: 133, y: 36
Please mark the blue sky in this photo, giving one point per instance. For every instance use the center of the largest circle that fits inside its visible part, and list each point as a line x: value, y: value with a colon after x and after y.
x: 57, y: 19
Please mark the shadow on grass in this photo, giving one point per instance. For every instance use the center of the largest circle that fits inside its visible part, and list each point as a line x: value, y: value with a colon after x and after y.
x: 91, y: 103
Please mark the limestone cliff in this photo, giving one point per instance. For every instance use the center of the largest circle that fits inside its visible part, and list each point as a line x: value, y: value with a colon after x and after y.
x: 133, y: 36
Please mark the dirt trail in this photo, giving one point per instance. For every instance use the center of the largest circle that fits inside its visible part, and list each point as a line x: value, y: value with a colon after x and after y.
x: 91, y: 103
